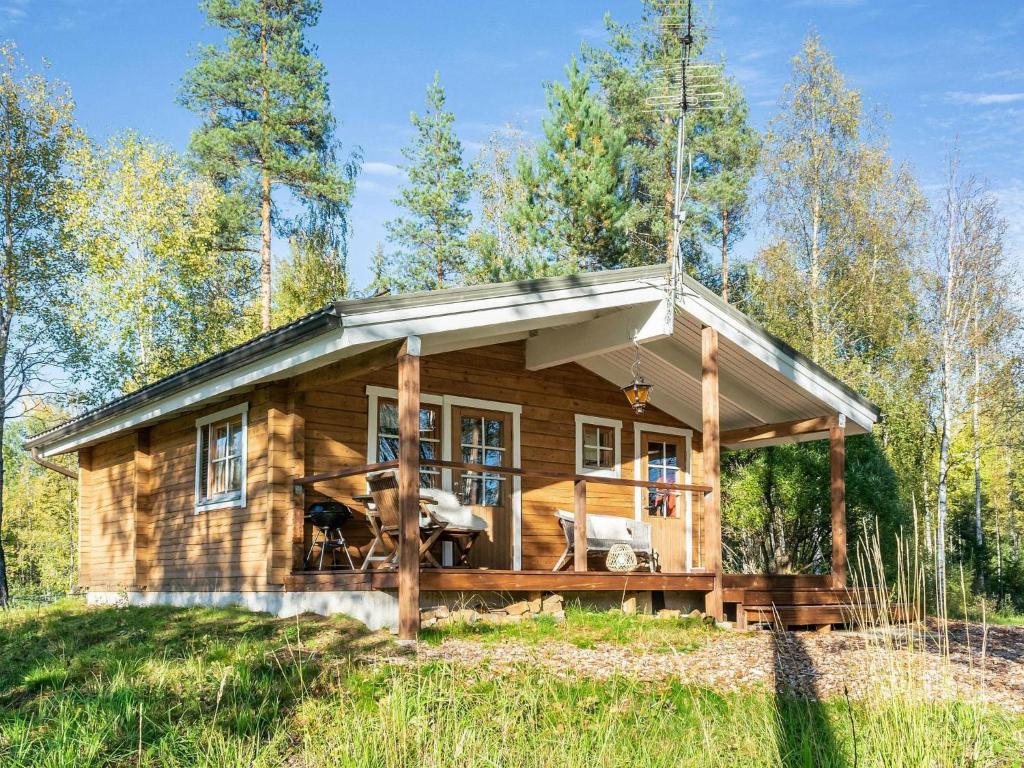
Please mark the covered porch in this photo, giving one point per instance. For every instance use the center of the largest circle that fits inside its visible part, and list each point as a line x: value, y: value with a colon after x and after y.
x: 712, y: 369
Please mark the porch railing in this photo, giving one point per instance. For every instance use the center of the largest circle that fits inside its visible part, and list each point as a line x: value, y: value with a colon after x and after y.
x: 580, y: 483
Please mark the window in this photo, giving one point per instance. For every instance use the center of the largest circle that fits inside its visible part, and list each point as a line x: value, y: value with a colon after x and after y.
x: 221, y: 458
x: 662, y: 467
x: 598, y: 446
x: 482, y: 441
x: 430, y: 438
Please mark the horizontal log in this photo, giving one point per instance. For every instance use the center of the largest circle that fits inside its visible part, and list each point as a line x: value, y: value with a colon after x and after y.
x: 736, y: 437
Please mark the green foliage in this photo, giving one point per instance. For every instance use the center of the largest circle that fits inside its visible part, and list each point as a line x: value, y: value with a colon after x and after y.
x: 728, y: 148
x: 575, y: 207
x: 38, y: 271
x: 776, y: 506
x: 41, y: 516
x: 314, y: 274
x: 431, y: 234
x: 266, y: 113
x: 162, y: 294
x: 501, y: 250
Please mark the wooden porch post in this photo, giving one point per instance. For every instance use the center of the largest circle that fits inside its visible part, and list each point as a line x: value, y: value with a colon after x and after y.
x: 579, y: 533
x: 837, y: 466
x: 409, y: 489
x: 712, y: 470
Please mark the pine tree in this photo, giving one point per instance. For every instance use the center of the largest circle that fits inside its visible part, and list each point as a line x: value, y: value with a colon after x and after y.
x: 729, y: 147
x: 381, y: 280
x: 431, y: 234
x: 575, y: 207
x: 266, y: 113
x: 630, y: 71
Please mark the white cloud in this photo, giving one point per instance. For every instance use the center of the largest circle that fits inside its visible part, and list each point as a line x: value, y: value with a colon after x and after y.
x: 983, y: 99
x: 375, y: 168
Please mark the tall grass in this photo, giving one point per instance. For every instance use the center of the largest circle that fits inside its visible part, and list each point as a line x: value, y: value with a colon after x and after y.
x: 195, y: 687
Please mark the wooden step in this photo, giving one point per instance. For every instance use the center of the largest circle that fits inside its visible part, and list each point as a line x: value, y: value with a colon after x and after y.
x: 763, y: 597
x: 813, y: 615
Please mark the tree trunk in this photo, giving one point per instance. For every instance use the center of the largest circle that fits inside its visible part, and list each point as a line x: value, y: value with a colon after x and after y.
x: 265, y: 253
x: 265, y: 200
x: 725, y: 254
x: 815, y: 277
x: 979, y: 534
x: 4, y: 593
x: 941, y: 506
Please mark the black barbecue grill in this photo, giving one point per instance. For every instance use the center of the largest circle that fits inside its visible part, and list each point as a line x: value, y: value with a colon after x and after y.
x: 327, y: 519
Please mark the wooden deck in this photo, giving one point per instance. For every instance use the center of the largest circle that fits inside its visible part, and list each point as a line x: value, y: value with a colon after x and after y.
x: 785, y: 600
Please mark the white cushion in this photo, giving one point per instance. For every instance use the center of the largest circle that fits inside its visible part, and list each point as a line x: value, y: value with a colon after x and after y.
x: 606, y: 527
x: 448, y: 509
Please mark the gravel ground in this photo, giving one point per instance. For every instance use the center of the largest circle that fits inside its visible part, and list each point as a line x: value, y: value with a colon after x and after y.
x: 986, y: 666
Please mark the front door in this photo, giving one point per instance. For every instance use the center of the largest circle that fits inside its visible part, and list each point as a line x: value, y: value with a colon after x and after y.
x: 485, y: 437
x: 664, y: 461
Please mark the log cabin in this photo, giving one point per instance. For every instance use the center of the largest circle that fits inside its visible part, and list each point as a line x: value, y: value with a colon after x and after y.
x: 544, y: 407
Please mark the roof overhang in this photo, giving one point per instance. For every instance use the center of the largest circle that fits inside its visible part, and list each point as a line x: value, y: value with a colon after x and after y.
x: 588, y: 319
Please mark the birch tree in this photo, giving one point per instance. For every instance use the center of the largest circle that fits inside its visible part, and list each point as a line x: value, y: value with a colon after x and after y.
x: 965, y: 261
x: 266, y: 114
x: 161, y: 294
x: 36, y: 271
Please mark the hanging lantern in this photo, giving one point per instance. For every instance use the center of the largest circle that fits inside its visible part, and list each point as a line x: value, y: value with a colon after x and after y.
x: 638, y: 391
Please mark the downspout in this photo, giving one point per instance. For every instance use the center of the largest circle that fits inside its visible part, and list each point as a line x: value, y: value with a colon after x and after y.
x: 52, y: 465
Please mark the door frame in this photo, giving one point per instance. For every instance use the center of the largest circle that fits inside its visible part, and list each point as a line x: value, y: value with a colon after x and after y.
x: 638, y: 474
x: 447, y: 402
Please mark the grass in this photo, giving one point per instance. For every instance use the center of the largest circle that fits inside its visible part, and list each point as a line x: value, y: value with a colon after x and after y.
x: 201, y: 687
x: 586, y: 629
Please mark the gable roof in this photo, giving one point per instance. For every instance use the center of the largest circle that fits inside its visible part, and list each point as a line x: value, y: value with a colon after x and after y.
x: 447, y: 319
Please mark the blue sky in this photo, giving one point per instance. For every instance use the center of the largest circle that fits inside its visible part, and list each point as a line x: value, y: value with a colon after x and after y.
x: 939, y: 69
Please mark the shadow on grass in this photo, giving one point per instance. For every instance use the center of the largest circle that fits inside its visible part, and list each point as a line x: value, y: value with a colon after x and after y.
x: 804, y: 733
x: 166, y: 678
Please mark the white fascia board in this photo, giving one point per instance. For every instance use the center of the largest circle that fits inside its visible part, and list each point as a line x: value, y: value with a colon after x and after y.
x: 320, y: 350
x: 365, y: 330
x: 607, y: 333
x: 762, y: 347
x: 505, y: 314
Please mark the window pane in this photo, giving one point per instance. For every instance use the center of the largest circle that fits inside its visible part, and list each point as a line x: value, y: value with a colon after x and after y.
x: 236, y: 438
x: 470, y: 431
x: 655, y: 452
x: 220, y: 441
x: 220, y: 479
x: 493, y: 457
x: 471, y: 456
x: 387, y: 449
x: 387, y: 418
x: 605, y: 436
x: 590, y: 458
x: 494, y: 433
x: 234, y: 475
x: 428, y: 450
x: 654, y: 474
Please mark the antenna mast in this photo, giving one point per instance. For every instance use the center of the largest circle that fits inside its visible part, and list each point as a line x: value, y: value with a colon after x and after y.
x: 681, y: 88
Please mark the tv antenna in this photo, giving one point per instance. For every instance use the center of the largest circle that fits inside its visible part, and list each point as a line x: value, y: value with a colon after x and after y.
x: 679, y: 89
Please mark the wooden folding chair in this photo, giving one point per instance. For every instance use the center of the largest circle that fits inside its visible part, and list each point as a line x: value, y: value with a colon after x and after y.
x: 384, y: 490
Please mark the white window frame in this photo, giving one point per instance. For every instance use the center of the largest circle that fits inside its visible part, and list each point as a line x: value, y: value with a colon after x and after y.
x: 599, y: 421
x: 638, y: 474
x: 447, y: 402
x: 204, y: 421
